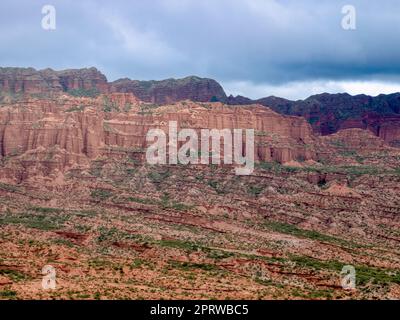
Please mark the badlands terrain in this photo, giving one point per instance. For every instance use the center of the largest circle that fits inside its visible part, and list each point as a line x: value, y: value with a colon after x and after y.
x: 76, y: 193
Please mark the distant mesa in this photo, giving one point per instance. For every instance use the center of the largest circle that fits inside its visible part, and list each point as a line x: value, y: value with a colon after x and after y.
x: 31, y: 81
x: 91, y: 81
x: 172, y: 90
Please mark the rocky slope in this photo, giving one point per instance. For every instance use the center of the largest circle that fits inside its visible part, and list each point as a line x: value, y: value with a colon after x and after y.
x: 116, y: 228
x: 76, y: 193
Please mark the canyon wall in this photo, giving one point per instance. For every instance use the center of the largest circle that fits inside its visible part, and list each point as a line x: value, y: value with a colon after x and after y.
x: 327, y: 113
x: 330, y: 113
x: 68, y: 131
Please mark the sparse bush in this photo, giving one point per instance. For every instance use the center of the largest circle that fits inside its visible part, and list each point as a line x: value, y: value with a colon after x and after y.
x: 101, y: 194
x: 8, y: 294
x: 89, y: 93
x: 255, y: 190
x: 158, y: 177
x: 76, y: 109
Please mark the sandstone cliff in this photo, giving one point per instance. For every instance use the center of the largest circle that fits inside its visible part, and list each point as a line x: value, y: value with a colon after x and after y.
x: 327, y: 113
x: 31, y: 81
x: 68, y: 131
x: 90, y: 82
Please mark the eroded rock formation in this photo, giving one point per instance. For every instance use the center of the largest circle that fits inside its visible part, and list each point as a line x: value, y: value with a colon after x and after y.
x: 67, y: 131
x: 327, y: 113
x: 172, y: 90
x: 330, y: 113
x: 31, y: 81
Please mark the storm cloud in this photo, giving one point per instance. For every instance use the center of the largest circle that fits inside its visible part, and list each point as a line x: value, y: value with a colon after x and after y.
x: 253, y: 47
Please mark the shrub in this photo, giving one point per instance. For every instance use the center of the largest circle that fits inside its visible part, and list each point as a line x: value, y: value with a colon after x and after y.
x: 179, y: 244
x: 310, y: 234
x: 158, y: 177
x: 8, y: 294
x: 101, y: 194
x: 255, y: 191
x: 76, y: 109
x: 187, y: 266
x: 90, y: 93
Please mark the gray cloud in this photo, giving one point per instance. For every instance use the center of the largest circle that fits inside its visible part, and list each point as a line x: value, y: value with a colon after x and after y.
x: 264, y: 42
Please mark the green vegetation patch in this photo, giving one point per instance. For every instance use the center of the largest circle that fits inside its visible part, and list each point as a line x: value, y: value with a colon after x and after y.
x: 100, y: 264
x: 46, y: 222
x: 142, y: 200
x: 217, y: 254
x: 8, y: 187
x: 309, y: 234
x: 364, y: 274
x: 8, y: 294
x: 109, y: 106
x: 189, y: 266
x: 165, y: 202
x: 255, y: 190
x: 358, y: 170
x: 217, y: 186
x: 89, y: 93
x: 277, y: 168
x: 76, y: 109
x: 101, y: 194
x: 158, y: 177
x: 45, y: 209
x: 14, y: 275
x: 179, y: 244
x: 113, y: 235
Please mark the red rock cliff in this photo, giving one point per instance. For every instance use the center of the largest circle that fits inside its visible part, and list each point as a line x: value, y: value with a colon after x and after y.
x: 31, y: 81
x: 64, y: 132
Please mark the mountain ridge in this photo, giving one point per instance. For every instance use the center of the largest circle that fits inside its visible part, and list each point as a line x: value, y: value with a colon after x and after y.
x: 327, y: 113
x: 77, y: 191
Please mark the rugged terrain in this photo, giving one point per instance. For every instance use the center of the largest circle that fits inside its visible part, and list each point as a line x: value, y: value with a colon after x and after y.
x: 327, y: 113
x: 76, y: 193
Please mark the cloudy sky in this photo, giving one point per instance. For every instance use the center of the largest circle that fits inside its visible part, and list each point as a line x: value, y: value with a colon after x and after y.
x: 257, y: 48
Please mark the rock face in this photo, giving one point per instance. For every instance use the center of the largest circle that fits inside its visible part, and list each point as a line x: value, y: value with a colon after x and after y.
x: 386, y: 127
x: 64, y: 132
x: 31, y: 81
x: 83, y: 79
x: 172, y: 90
x: 356, y: 139
x: 28, y: 80
x: 90, y: 81
x: 329, y: 113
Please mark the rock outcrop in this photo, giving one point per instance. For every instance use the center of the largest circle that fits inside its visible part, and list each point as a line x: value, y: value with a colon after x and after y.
x: 330, y: 113
x: 357, y: 140
x: 31, y: 81
x: 83, y: 79
x: 172, y: 90
x: 386, y: 127
x: 90, y: 82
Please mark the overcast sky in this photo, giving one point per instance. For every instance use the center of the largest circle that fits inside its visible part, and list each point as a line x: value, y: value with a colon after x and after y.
x: 257, y: 48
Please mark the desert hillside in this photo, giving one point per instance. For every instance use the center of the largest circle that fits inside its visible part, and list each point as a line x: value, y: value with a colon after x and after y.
x: 77, y: 193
